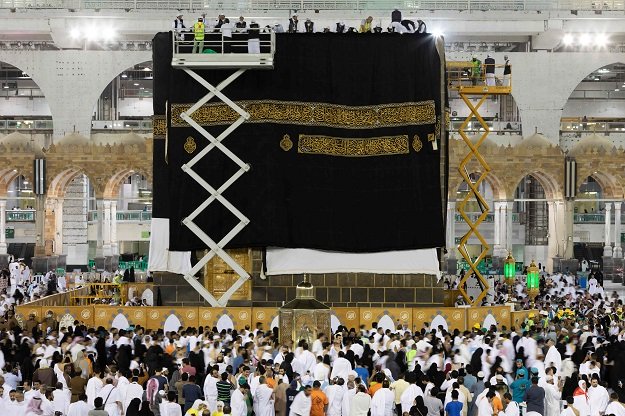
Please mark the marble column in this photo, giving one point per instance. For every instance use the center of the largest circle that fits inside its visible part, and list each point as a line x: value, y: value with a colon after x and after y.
x: 508, y: 222
x: 99, y: 251
x: 618, y: 250
x: 58, y: 226
x: 607, y: 248
x: 106, y: 229
x: 502, y: 213
x: 3, y: 226
x: 567, y: 238
x: 450, y: 233
x: 114, y: 244
x: 557, y: 232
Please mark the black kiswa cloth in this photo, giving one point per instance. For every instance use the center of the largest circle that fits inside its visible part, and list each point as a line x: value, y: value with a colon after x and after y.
x: 338, y: 144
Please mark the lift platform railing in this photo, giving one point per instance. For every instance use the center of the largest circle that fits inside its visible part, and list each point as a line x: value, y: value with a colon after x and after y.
x: 460, y: 74
x: 224, y: 48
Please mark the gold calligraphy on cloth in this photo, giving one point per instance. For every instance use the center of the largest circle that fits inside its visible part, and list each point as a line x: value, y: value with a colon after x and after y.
x: 311, y: 114
x: 350, y: 147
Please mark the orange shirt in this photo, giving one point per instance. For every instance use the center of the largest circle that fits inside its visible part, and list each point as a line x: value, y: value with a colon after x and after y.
x: 271, y: 382
x: 497, y: 405
x: 318, y: 402
x: 374, y: 387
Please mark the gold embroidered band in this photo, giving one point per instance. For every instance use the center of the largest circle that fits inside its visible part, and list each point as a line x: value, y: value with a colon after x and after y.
x: 337, y: 146
x: 312, y: 114
x: 159, y: 126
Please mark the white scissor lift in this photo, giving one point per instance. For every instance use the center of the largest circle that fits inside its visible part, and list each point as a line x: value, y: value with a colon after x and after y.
x: 189, y: 62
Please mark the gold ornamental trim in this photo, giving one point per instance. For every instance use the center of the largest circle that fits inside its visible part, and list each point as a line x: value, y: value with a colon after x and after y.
x: 190, y: 145
x: 286, y: 144
x: 311, y: 114
x: 417, y: 144
x: 352, y: 147
x: 159, y: 126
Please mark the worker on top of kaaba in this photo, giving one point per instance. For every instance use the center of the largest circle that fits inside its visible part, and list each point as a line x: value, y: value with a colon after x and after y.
x: 178, y: 24
x: 309, y: 25
x: 198, y: 32
x: 253, y: 41
x: 241, y: 24
x: 367, y: 25
x: 293, y: 24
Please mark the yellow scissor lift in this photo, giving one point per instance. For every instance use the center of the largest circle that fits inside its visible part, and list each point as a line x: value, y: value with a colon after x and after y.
x: 459, y: 78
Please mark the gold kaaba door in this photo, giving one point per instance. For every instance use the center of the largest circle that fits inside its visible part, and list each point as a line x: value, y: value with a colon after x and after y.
x: 218, y: 276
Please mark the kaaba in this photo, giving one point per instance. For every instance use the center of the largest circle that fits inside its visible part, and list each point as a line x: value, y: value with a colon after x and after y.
x: 346, y: 141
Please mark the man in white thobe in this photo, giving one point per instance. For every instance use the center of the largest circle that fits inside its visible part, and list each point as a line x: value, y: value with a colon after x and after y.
x: 335, y: 393
x: 408, y: 397
x: 553, y: 395
x: 80, y: 408
x: 615, y: 407
x: 361, y: 403
x: 264, y: 399
x: 341, y: 367
x: 111, y: 397
x: 301, y: 403
x: 383, y: 401
x: 237, y: 401
x: 133, y: 390
x: 210, y: 391
x: 598, y: 397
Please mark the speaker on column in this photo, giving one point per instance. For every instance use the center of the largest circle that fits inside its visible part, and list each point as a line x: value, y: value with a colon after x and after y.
x: 570, y: 178
x: 39, y: 176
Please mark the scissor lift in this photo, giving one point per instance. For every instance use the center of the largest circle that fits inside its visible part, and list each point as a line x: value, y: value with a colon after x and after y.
x: 459, y: 78
x: 185, y: 60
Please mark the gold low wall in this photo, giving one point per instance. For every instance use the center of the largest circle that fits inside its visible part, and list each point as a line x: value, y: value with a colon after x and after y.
x: 172, y: 318
x: 58, y: 299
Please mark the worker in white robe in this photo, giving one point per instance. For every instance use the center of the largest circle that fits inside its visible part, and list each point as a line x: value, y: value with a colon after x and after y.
x: 553, y: 395
x: 264, y: 399
x: 598, y: 397
x: 383, y: 401
x: 408, y: 397
x: 335, y: 393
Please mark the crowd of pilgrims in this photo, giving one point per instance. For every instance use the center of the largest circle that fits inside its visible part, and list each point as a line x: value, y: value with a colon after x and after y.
x: 568, y: 359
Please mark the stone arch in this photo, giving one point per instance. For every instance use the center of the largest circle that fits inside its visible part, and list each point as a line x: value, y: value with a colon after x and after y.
x: 19, y: 61
x: 67, y: 107
x: 609, y: 184
x: 592, y: 65
x: 124, y: 81
x: 59, y: 183
x: 8, y: 175
x: 496, y: 184
x: 111, y: 189
x: 547, y: 181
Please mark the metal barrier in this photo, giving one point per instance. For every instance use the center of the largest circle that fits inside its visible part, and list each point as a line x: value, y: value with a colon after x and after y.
x: 224, y: 48
x: 286, y: 5
x: 130, y: 216
x: 18, y: 215
x: 579, y: 128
